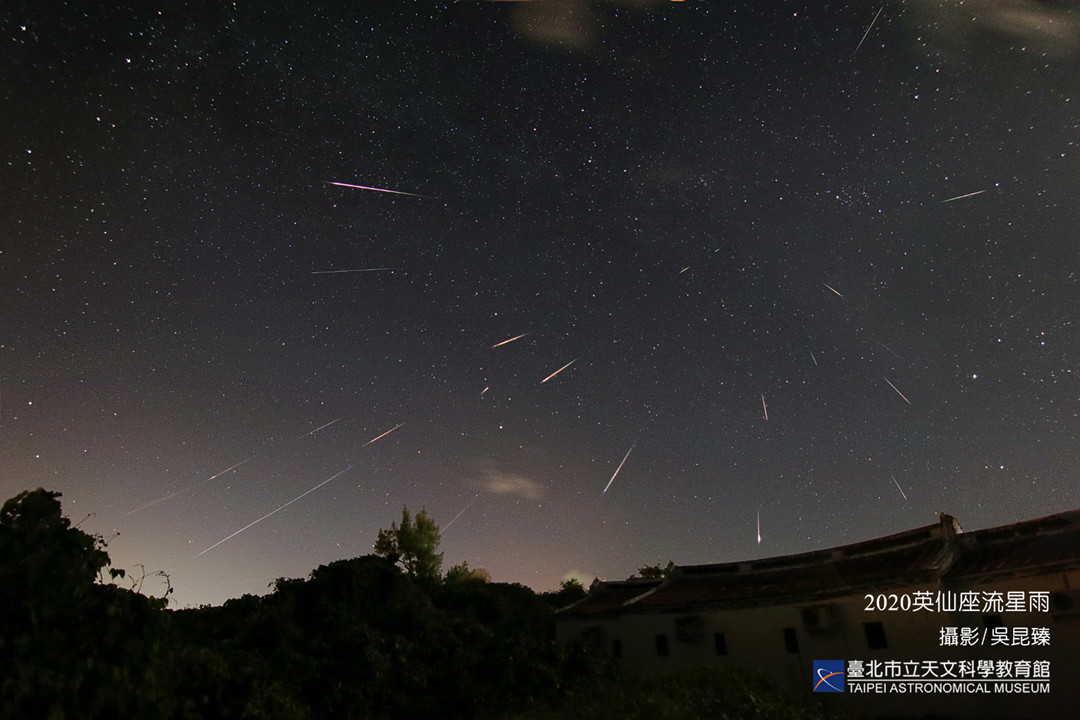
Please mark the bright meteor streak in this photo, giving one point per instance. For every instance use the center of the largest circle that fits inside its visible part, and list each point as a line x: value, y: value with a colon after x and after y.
x: 383, y: 435
x: 619, y: 468
x: 897, y: 390
x: 298, y: 497
x: 898, y: 487
x: 763, y: 406
x: 301, y: 495
x: 365, y: 187
x: 504, y: 342
x: 832, y: 288
x: 558, y: 371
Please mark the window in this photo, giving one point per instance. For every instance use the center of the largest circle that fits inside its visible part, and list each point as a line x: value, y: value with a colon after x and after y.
x: 721, y: 643
x: 875, y: 635
x: 661, y: 646
x: 688, y: 629
x: 791, y: 640
x: 818, y: 618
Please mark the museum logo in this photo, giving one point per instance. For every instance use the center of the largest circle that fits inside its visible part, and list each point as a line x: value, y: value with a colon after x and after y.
x: 828, y: 676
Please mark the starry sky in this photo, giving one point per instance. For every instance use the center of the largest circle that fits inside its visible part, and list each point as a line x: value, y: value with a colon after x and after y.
x: 811, y: 264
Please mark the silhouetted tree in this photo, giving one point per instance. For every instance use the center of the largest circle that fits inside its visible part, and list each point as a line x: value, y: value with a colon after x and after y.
x: 569, y: 592
x: 70, y: 646
x: 650, y: 572
x: 413, y: 545
x: 464, y: 573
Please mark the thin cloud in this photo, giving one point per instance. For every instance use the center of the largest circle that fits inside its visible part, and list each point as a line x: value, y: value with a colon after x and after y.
x: 497, y: 482
x: 585, y: 578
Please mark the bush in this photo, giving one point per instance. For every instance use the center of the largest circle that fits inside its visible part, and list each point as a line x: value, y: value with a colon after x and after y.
x: 709, y: 693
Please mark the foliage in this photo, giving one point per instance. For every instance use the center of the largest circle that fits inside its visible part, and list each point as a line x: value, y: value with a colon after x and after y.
x: 651, y: 572
x: 706, y: 693
x: 69, y: 646
x: 413, y: 544
x: 569, y: 592
x: 362, y: 638
x: 463, y: 573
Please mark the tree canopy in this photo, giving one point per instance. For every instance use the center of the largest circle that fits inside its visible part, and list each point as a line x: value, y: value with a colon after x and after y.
x: 70, y: 646
x: 372, y: 638
x: 413, y: 544
x: 651, y: 572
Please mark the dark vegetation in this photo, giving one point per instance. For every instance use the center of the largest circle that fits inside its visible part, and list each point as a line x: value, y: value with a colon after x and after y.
x: 382, y: 636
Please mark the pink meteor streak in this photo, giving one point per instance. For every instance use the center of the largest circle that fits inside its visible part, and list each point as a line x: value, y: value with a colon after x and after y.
x: 897, y: 390
x: 504, y: 342
x: 558, y: 371
x: 383, y: 435
x: 365, y: 187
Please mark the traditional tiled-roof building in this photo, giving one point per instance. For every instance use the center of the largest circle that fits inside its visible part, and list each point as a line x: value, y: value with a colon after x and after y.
x: 997, y: 611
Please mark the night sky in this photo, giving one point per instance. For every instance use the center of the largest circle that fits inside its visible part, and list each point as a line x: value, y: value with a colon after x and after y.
x: 802, y: 271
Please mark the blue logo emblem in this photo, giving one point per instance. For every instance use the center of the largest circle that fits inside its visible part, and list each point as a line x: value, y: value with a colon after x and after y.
x: 828, y: 676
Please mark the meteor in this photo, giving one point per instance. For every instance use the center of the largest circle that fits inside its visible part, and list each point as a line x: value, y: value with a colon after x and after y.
x: 898, y: 486
x: 447, y: 527
x: 336, y: 272
x: 298, y: 497
x: 189, y: 487
x: 365, y: 187
x: 382, y: 436
x: 558, y: 371
x: 321, y: 427
x: 763, y: 407
x: 504, y: 342
x: 758, y: 527
x: 961, y: 197
x: 832, y: 288
x: 867, y: 31
x: 897, y: 390
x: 619, y: 468
x: 890, y: 350
x: 272, y: 512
